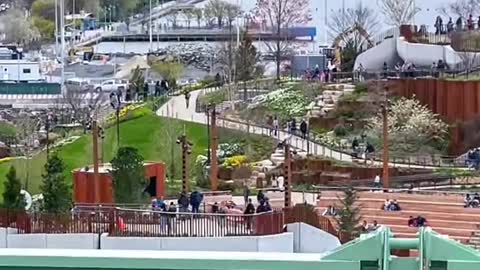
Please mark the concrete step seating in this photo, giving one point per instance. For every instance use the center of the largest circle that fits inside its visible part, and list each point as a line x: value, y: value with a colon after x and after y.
x: 416, y: 208
x: 444, y: 212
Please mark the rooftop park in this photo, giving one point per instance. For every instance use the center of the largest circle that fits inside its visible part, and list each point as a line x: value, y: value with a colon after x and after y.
x: 155, y: 139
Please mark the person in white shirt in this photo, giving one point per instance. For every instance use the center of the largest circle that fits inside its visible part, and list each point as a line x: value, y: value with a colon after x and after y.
x: 376, y: 182
x: 275, y: 126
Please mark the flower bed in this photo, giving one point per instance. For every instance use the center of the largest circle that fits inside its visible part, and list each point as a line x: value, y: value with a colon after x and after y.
x: 283, y: 102
x: 128, y: 112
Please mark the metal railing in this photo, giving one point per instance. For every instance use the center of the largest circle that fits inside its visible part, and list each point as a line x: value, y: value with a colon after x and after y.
x: 123, y: 222
x: 312, y: 145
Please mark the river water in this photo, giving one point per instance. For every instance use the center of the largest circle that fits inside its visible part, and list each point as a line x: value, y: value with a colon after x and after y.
x: 427, y: 14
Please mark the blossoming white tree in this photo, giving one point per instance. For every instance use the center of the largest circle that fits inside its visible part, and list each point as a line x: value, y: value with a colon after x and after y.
x: 409, y: 123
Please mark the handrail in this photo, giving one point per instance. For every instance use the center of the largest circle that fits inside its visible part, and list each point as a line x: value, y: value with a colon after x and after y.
x: 342, y: 152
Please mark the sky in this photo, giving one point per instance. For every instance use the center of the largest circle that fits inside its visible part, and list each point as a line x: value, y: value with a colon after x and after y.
x: 428, y: 10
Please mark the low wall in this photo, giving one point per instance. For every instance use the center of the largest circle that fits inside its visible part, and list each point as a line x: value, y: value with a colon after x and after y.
x: 56, y: 241
x: 300, y: 238
x: 272, y: 243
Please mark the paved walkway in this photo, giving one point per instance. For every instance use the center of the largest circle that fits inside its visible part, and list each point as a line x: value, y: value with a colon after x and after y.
x: 176, y: 108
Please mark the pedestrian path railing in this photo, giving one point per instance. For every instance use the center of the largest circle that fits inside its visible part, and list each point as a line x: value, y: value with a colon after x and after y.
x: 144, y: 223
x: 312, y: 145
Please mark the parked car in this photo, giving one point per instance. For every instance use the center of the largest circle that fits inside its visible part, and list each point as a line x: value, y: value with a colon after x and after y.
x: 77, y: 84
x: 111, y: 85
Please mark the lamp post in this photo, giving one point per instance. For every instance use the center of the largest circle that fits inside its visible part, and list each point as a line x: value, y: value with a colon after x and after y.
x: 110, y: 9
x: 213, y: 152
x: 150, y: 26
x: 115, y: 102
x: 56, y: 29
x: 47, y: 129
x: 96, y: 177
x: 62, y: 36
x: 208, y: 133
x: 386, y: 157
x: 106, y: 14
x: 186, y: 151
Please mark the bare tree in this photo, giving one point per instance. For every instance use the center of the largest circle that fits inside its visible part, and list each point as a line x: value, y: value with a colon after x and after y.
x: 27, y: 128
x: 470, y: 60
x: 188, y: 15
x: 352, y: 25
x: 198, y: 13
x: 398, y: 12
x: 279, y: 15
x: 461, y: 8
x: 216, y: 9
x: 172, y: 18
x: 85, y: 105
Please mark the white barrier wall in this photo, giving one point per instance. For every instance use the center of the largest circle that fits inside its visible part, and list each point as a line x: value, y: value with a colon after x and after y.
x: 73, y: 241
x: 27, y: 240
x: 308, y: 239
x: 3, y: 237
x: 274, y: 243
x: 59, y: 241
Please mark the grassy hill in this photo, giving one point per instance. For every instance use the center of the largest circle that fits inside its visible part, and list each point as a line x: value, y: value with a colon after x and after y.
x: 152, y: 135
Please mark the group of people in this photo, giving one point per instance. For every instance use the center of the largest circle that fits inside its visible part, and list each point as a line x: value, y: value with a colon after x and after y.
x: 472, y: 201
x: 317, y: 74
x: 473, y: 158
x: 438, y: 69
x: 262, y: 200
x: 273, y: 125
x: 459, y: 25
x: 366, y: 227
x: 391, y: 206
x: 330, y: 211
x: 135, y: 92
x: 292, y: 127
x: 184, y: 203
x: 364, y: 152
x: 417, y: 222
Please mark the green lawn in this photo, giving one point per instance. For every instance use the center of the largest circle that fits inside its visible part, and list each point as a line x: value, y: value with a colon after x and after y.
x: 150, y: 134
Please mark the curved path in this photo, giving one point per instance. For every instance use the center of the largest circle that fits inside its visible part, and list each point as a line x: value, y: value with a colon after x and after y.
x: 176, y: 108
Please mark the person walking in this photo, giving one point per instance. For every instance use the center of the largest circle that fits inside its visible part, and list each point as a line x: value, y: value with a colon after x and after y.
x: 304, y: 129
x: 246, y: 193
x: 270, y: 125
x: 249, y: 210
x: 470, y: 25
x: 293, y: 126
x: 187, y: 99
x: 183, y: 202
x: 196, y: 199
x: 275, y: 126
x: 450, y: 26
x: 157, y: 88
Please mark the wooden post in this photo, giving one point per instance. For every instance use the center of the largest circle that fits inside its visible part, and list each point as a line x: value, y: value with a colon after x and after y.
x: 214, y: 145
x: 287, y: 173
x: 386, y: 176
x: 96, y: 184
